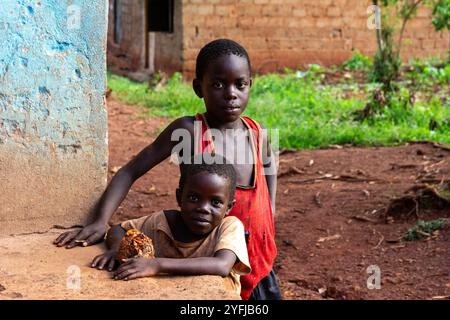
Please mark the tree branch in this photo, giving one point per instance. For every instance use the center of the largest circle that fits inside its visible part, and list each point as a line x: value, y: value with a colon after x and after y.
x: 378, y: 28
x: 406, y: 17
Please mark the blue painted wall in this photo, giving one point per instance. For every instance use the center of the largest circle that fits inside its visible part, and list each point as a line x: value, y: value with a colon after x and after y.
x: 52, y: 85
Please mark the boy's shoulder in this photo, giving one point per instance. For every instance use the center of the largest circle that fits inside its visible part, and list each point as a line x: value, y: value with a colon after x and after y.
x: 185, y: 122
x: 257, y: 123
x: 231, y: 224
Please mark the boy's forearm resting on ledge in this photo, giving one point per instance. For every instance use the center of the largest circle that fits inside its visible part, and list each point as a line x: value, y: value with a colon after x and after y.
x: 221, y: 265
x: 107, y: 260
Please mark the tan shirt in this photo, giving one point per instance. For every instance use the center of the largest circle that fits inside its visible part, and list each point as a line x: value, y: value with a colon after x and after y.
x: 228, y: 235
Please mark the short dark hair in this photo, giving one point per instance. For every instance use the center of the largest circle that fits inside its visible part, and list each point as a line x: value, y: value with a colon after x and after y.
x: 218, y: 167
x: 216, y: 49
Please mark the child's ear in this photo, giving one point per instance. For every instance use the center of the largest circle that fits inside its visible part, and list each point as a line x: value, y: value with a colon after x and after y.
x: 251, y: 82
x: 178, y: 195
x: 196, y: 85
x: 230, y: 206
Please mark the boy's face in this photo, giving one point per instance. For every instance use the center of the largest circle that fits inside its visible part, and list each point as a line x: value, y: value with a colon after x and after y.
x: 225, y: 87
x: 204, y: 202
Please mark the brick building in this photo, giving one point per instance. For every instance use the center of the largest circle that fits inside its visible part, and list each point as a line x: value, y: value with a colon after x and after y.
x: 277, y: 33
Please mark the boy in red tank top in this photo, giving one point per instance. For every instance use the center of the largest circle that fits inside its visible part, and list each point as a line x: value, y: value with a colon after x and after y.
x: 223, y: 80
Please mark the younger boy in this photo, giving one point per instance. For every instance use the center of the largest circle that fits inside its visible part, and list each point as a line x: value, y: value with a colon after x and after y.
x: 196, y: 240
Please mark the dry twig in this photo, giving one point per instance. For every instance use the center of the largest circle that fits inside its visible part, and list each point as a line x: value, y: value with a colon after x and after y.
x: 291, y: 170
x: 364, y: 218
x: 317, y: 199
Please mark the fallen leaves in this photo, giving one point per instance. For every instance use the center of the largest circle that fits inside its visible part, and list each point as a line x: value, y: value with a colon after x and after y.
x: 331, y: 292
x: 364, y: 218
x: 329, y: 238
x: 302, y: 211
x: 345, y: 178
x: 381, y: 238
x: 399, y: 246
x: 300, y: 281
x: 290, y: 171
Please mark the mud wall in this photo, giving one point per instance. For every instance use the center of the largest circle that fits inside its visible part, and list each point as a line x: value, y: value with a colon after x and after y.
x: 169, y: 46
x: 126, y: 27
x: 53, y: 121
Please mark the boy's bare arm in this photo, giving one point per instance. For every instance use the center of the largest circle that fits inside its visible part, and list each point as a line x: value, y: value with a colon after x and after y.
x: 122, y: 181
x: 221, y: 264
x: 270, y: 168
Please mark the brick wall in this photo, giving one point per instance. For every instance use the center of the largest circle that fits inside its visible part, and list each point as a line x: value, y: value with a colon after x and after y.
x: 277, y: 33
x: 292, y: 33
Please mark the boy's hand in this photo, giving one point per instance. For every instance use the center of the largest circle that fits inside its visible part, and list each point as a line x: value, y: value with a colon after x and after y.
x: 137, y: 268
x: 106, y: 260
x: 90, y: 234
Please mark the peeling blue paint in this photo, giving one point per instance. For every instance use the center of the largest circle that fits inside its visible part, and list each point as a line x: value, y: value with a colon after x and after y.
x: 52, y: 76
x: 13, y: 126
x: 24, y: 61
x: 58, y: 46
x: 78, y: 73
x: 44, y: 90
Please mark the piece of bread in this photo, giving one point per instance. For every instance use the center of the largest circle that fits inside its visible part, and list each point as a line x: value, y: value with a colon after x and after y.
x: 135, y: 244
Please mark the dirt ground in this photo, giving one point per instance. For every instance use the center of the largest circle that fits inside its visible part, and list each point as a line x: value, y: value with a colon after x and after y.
x: 331, y: 209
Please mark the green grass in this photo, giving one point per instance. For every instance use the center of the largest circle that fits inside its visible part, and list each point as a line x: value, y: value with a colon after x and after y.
x: 422, y: 228
x: 306, y: 113
x: 358, y: 61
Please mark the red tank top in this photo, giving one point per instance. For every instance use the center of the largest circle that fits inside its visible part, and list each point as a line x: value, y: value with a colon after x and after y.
x: 252, y: 207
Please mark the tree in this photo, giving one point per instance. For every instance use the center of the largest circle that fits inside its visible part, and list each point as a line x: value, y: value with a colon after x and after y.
x: 441, y: 17
x: 387, y: 58
x: 387, y: 62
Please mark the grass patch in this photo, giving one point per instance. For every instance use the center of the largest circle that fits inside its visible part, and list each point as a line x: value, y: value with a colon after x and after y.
x: 358, y: 61
x: 308, y: 113
x: 425, y: 228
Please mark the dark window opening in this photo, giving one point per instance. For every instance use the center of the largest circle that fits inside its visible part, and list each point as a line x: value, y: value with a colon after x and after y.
x: 116, y: 20
x: 160, y: 15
